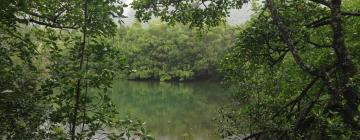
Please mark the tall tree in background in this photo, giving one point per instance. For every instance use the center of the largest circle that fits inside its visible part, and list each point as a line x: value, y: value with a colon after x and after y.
x: 289, y: 47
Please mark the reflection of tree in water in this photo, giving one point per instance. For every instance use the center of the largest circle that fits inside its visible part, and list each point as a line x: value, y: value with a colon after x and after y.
x: 173, y: 109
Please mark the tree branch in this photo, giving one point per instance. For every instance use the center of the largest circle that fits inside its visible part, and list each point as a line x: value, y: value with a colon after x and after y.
x: 321, y: 22
x: 46, y: 24
x: 327, y: 20
x: 303, y: 92
x: 255, y: 135
x: 323, y: 2
x: 285, y: 34
x: 299, y: 123
x: 259, y: 134
x: 298, y: 98
x: 318, y: 45
x: 351, y: 13
x: 280, y: 58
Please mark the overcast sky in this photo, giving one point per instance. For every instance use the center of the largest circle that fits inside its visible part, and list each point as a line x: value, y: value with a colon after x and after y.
x: 236, y: 16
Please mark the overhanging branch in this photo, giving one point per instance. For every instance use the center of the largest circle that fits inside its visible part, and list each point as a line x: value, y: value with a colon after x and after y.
x: 322, y: 2
x: 318, y: 45
x: 46, y: 24
x: 327, y: 20
x: 351, y: 13
x: 321, y: 22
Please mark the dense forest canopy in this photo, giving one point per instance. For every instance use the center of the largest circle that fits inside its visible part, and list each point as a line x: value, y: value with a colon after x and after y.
x: 178, y: 53
x: 294, y: 66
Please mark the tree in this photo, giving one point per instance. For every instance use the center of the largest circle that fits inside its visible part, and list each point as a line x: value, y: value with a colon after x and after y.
x: 53, y: 53
x: 164, y: 53
x: 345, y: 68
x: 294, y: 42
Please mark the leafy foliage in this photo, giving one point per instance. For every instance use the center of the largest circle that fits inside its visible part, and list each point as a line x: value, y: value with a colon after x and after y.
x: 166, y: 53
x: 205, y: 13
x: 278, y: 98
x: 42, y: 44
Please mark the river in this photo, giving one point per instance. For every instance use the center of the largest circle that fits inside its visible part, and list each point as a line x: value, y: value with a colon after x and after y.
x: 172, y: 111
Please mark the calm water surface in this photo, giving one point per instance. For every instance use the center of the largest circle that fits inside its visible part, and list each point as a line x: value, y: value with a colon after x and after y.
x: 172, y: 111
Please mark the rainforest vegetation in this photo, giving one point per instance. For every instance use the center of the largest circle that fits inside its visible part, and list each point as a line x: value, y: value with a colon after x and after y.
x: 177, y: 53
x: 293, y: 67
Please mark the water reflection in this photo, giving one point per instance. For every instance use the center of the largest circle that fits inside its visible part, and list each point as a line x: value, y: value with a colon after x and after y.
x: 172, y: 111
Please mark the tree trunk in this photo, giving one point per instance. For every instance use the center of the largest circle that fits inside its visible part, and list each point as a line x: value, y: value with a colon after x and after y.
x: 348, y: 70
x: 78, y: 85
